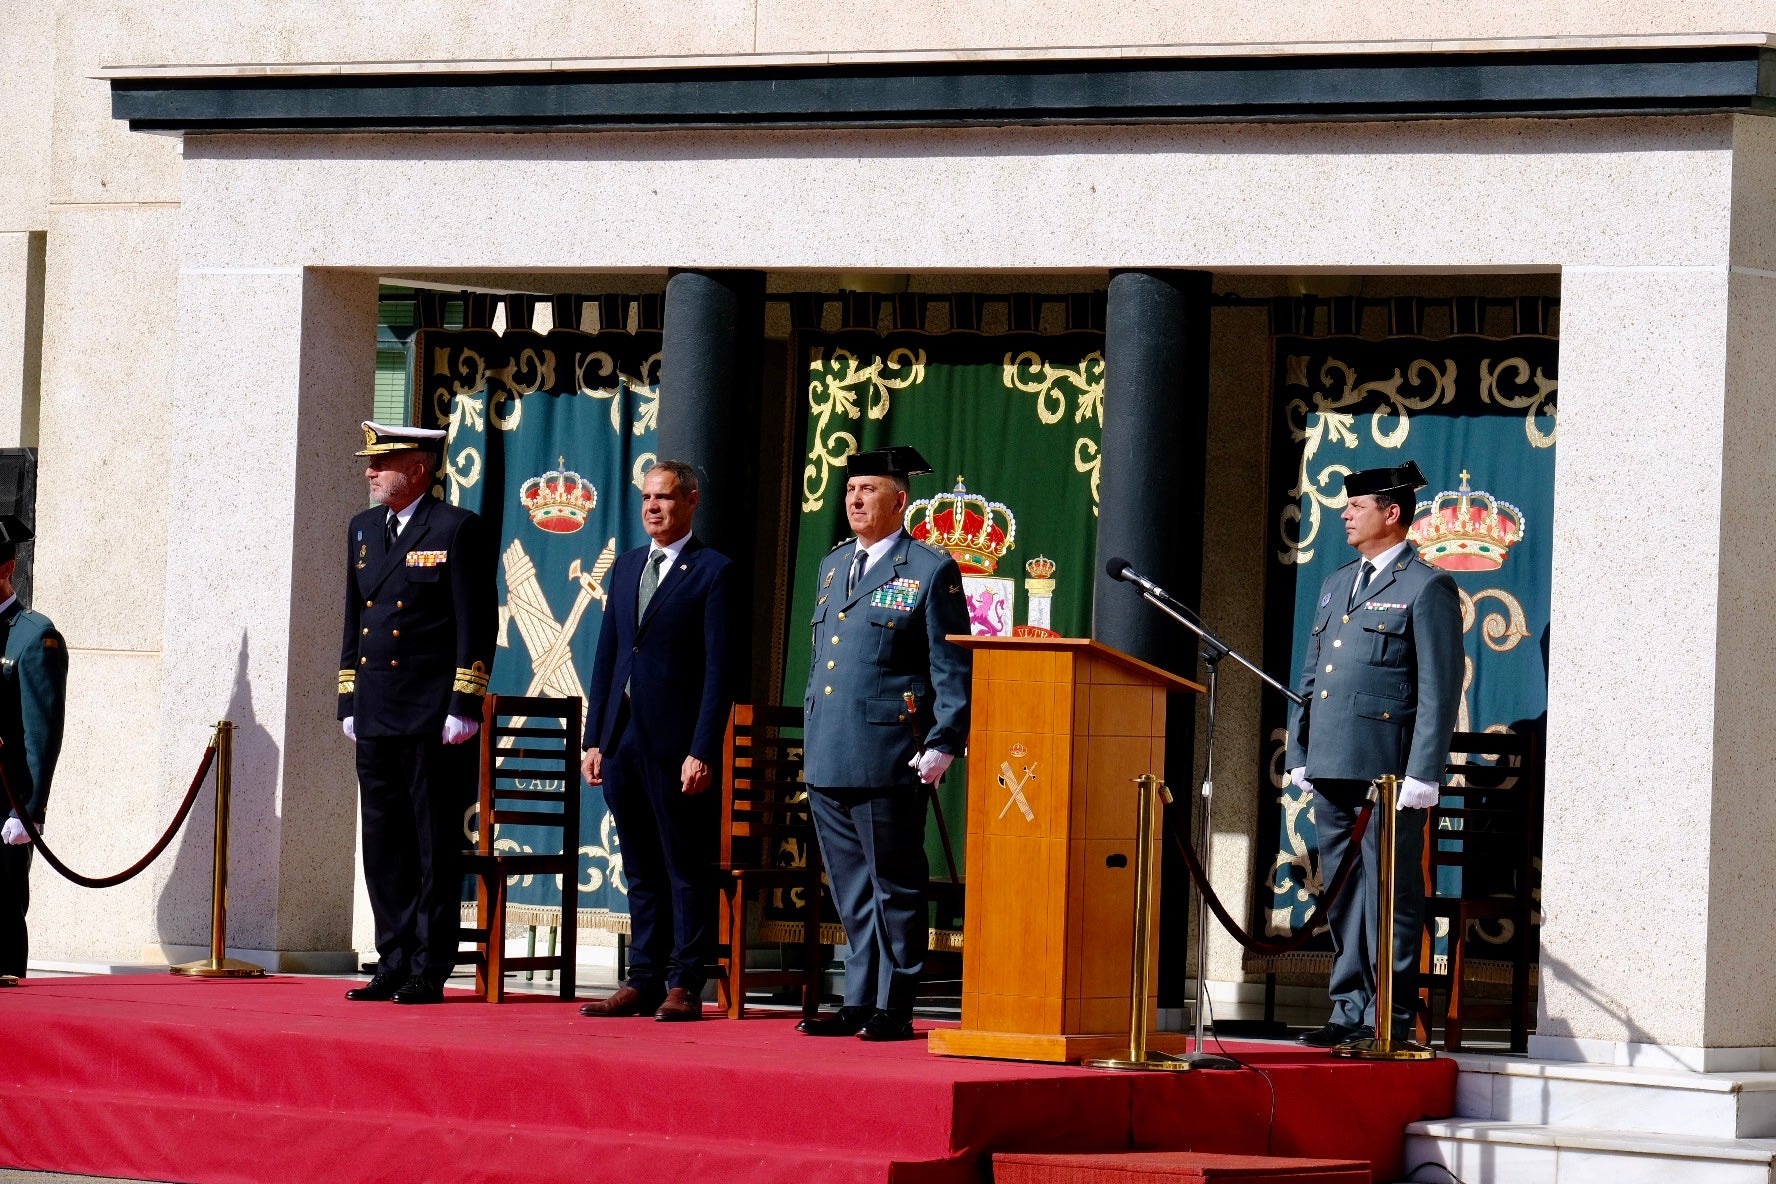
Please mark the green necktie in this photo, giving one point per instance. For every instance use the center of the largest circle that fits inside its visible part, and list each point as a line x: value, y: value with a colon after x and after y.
x: 650, y: 583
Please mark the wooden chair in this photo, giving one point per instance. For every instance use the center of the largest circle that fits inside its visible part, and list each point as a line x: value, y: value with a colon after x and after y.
x: 767, y: 847
x: 1494, y: 838
x: 530, y: 776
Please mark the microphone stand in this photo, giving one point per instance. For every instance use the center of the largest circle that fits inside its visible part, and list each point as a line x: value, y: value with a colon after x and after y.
x: 1213, y: 650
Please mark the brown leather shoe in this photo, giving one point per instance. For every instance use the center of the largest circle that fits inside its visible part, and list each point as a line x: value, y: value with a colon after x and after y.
x: 627, y: 1001
x: 679, y: 1007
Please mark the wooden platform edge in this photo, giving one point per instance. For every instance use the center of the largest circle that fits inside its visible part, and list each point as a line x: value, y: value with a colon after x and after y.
x: 1036, y: 1046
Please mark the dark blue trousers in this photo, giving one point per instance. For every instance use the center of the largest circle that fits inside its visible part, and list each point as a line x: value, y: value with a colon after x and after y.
x: 668, y: 842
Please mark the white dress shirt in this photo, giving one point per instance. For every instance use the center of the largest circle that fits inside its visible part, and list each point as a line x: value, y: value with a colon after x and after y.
x: 404, y: 516
x: 1390, y: 556
x: 875, y: 552
x: 672, y: 551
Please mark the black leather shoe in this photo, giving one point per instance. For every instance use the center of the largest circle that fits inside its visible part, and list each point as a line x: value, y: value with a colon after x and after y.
x: 1332, y: 1035
x: 846, y: 1021
x: 381, y: 986
x: 421, y: 988
x: 888, y: 1025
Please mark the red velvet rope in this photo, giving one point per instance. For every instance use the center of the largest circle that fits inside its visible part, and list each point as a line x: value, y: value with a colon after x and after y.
x: 1301, y: 936
x: 136, y: 868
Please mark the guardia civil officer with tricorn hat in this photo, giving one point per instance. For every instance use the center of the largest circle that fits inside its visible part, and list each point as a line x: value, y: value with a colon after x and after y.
x: 421, y: 615
x: 886, y: 712
x: 1382, y: 683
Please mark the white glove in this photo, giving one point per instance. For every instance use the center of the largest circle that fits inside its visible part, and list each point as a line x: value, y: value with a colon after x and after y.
x: 1298, y: 776
x: 458, y: 728
x: 930, y: 765
x: 1418, y: 794
x: 349, y: 725
x: 14, y: 833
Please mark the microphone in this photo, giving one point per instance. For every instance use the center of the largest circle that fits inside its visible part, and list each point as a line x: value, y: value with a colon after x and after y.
x: 1119, y: 568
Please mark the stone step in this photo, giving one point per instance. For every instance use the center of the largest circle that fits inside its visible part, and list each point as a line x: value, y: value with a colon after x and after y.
x: 1477, y: 1151
x: 1617, y: 1097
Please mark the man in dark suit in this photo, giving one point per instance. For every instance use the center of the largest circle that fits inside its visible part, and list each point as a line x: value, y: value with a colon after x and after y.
x: 886, y: 712
x: 420, y: 619
x: 655, y: 716
x: 1383, y: 681
x: 33, y: 694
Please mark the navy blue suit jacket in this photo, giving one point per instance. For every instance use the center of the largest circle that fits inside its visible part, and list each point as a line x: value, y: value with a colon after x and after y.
x: 674, y: 660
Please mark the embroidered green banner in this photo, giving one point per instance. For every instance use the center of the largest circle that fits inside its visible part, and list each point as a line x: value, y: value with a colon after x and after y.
x: 550, y: 435
x: 1011, y: 425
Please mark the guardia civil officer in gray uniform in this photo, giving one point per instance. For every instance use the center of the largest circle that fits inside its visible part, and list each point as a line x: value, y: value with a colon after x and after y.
x: 1383, y: 680
x: 33, y: 698
x: 886, y: 712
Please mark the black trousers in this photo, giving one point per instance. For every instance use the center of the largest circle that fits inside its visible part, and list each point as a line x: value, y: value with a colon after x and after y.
x: 413, y: 792
x: 15, y: 898
x: 668, y: 841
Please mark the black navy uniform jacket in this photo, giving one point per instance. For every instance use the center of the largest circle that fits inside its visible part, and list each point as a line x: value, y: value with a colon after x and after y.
x: 420, y: 621
x: 673, y: 660
x: 33, y: 697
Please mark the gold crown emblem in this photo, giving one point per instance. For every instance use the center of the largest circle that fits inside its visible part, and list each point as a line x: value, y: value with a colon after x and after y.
x: 559, y: 500
x: 975, y: 531
x: 1040, y: 568
x: 1465, y: 530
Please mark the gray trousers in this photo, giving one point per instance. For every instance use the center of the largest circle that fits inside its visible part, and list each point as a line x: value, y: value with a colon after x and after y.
x: 873, y: 843
x: 1354, y: 917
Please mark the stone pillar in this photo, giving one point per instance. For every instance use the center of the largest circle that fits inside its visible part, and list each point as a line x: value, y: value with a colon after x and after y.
x: 710, y: 368
x: 21, y: 335
x: 274, y: 369
x: 1150, y: 512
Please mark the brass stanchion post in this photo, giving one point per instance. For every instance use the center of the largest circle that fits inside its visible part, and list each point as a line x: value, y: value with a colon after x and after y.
x: 1382, y: 1046
x: 218, y: 964
x: 1139, y: 986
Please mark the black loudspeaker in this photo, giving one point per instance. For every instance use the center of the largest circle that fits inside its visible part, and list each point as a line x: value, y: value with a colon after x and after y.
x: 18, y: 496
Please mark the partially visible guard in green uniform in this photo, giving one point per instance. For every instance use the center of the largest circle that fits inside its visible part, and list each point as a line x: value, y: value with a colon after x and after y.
x: 33, y: 696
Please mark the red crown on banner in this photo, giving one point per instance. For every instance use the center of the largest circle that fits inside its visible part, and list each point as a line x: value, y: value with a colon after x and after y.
x: 559, y: 500
x: 975, y: 531
x: 1466, y: 530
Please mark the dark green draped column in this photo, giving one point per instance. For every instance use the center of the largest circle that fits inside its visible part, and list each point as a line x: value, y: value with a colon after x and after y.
x: 712, y: 333
x: 1150, y: 512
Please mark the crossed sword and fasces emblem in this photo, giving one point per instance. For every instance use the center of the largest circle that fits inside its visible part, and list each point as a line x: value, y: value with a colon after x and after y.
x: 549, y: 642
x: 1014, y: 786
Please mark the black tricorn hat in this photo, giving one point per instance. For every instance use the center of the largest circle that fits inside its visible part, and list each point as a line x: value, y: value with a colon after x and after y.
x: 901, y: 460
x: 1403, y: 479
x: 13, y: 531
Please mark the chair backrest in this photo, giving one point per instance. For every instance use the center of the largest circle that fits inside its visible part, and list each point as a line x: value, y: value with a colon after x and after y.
x: 530, y: 767
x: 1495, y: 834
x: 765, y: 817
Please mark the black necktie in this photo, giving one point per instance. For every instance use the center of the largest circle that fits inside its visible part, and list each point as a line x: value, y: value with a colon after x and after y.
x: 1364, y: 571
x: 391, y: 530
x: 857, y: 562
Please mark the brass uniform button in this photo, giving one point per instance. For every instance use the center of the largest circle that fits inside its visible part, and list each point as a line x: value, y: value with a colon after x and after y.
x: 829, y: 690
x: 394, y: 662
x: 366, y: 633
x: 400, y: 604
x: 841, y: 616
x: 903, y: 719
x: 361, y: 661
x: 1381, y: 628
x: 830, y: 665
x: 369, y: 604
x: 1323, y: 694
x: 1347, y: 619
x: 835, y: 639
x: 396, y: 632
x: 1328, y: 668
x: 1386, y: 715
x: 1336, y: 642
x: 890, y: 624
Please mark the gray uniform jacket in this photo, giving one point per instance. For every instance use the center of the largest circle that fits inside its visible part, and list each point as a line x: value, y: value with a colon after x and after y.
x: 1383, y: 680
x: 874, y: 648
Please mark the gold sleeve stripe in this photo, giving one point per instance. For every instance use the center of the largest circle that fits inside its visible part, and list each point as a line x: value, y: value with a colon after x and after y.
x: 348, y: 681
x: 472, y: 681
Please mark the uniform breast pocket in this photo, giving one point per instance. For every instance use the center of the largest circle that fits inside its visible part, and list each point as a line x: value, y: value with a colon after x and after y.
x: 887, y: 628
x: 817, y: 626
x: 424, y: 575
x: 1388, y: 637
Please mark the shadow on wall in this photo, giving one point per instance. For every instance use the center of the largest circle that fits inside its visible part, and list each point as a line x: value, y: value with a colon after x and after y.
x: 183, y: 913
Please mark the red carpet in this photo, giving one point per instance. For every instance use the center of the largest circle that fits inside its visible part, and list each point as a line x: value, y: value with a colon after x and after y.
x: 217, y: 1082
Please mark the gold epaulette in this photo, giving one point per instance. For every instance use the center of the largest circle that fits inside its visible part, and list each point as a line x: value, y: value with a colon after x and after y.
x: 348, y: 681
x: 472, y: 681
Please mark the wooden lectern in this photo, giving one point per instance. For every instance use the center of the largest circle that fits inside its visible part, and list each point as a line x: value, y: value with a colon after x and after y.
x: 1061, y: 727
